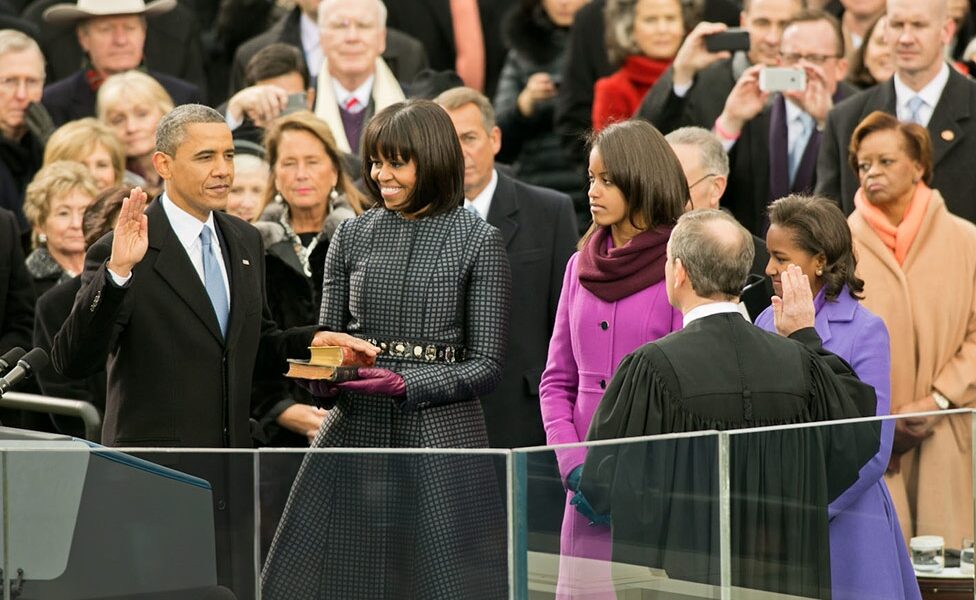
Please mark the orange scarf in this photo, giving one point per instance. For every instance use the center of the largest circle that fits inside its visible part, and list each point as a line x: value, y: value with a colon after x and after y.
x: 898, y: 239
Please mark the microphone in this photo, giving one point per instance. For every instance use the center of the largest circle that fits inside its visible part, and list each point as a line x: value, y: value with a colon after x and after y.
x: 35, y: 360
x: 752, y: 281
x: 10, y: 358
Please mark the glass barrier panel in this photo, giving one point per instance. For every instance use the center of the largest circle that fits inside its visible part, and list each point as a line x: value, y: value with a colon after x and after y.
x: 864, y: 508
x: 641, y: 519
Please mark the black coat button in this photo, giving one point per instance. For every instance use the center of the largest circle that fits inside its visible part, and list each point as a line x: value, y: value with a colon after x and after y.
x: 604, y: 325
x: 603, y: 384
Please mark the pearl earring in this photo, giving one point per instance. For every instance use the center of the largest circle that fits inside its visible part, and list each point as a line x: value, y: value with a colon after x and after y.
x: 819, y: 272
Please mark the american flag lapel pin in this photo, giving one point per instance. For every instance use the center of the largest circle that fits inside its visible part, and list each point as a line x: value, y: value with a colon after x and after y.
x: 246, y: 262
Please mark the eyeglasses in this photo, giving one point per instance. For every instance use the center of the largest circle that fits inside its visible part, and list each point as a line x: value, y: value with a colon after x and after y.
x: 791, y: 58
x: 703, y: 178
x: 10, y: 85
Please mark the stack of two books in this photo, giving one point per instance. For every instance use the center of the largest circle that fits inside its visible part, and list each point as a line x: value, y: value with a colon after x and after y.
x: 329, y: 363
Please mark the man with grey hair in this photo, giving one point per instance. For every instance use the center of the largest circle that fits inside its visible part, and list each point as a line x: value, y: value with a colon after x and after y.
x: 706, y: 167
x: 173, y: 306
x: 21, y: 150
x: 720, y: 372
x: 174, y: 300
x: 354, y: 82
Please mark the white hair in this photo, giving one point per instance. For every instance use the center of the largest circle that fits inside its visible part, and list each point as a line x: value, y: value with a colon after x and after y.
x: 380, y: 11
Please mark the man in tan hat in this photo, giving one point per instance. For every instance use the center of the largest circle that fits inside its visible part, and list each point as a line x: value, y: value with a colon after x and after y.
x: 112, y: 34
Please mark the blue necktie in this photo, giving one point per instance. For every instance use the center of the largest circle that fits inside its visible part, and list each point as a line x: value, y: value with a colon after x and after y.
x: 213, y: 280
x: 469, y: 206
x: 915, y: 104
x: 798, y: 146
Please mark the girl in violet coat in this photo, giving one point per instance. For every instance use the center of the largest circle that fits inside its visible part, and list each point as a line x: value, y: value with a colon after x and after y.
x: 868, y: 557
x: 613, y: 300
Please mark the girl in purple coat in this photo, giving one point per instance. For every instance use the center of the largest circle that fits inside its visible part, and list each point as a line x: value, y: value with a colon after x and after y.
x: 868, y: 558
x: 613, y: 300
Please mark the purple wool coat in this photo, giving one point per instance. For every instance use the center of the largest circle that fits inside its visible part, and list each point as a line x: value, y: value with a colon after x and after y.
x: 590, y: 338
x: 868, y: 557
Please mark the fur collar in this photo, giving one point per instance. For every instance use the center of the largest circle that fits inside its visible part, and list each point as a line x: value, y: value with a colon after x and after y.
x: 272, y: 223
x: 531, y: 33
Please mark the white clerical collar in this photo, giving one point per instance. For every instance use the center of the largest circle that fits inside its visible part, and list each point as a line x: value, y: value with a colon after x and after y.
x: 361, y: 94
x: 712, y: 308
x: 930, y: 93
x: 186, y: 226
x: 482, y: 202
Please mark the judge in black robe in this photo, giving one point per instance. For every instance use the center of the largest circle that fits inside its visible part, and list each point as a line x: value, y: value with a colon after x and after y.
x: 722, y: 373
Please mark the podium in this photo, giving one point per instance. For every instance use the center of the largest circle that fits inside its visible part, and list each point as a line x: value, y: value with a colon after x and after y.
x: 81, y: 521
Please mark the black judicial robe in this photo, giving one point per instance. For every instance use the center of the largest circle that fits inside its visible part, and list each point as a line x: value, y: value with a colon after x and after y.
x: 722, y: 373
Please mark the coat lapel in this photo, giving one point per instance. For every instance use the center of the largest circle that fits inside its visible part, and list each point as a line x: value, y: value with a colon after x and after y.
x: 945, y: 126
x: 238, y: 259
x: 504, y: 208
x: 174, y: 267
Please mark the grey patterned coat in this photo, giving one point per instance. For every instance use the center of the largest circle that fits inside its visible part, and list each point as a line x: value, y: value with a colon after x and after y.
x: 405, y: 526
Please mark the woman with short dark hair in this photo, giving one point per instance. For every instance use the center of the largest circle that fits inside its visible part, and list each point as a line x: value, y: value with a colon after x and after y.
x: 613, y: 300
x: 867, y: 550
x: 918, y: 263
x: 428, y: 282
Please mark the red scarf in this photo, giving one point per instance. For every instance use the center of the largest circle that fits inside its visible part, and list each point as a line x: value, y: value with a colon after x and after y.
x: 615, y: 273
x: 898, y: 239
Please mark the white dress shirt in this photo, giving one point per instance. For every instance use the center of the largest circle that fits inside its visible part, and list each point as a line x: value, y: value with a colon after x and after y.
x: 482, y: 202
x: 712, y: 308
x: 187, y: 229
x: 311, y: 43
x: 930, y: 94
x: 361, y: 94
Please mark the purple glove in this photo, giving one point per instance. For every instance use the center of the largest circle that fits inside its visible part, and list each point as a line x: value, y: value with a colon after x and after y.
x: 319, y: 388
x: 375, y: 382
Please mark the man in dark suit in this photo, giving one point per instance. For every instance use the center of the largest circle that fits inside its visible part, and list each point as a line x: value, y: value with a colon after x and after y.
x: 706, y: 167
x: 539, y: 230
x: 720, y: 372
x: 773, y: 139
x: 173, y: 43
x: 174, y: 301
x: 404, y: 55
x: 924, y: 90
x: 113, y: 43
x: 21, y: 150
x: 16, y: 293
x: 693, y: 90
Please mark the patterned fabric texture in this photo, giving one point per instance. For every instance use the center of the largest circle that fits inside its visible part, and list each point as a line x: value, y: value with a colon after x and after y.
x: 405, y: 526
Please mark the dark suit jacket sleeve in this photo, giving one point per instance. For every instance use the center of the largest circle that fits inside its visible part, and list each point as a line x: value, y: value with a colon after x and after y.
x: 831, y: 159
x: 661, y: 106
x: 98, y: 317
x: 48, y: 320
x: 564, y: 244
x: 17, y: 317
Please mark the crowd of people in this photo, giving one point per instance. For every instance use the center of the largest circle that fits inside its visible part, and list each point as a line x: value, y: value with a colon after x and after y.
x: 540, y: 216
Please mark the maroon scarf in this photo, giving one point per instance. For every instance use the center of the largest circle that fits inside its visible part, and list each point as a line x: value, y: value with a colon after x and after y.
x: 615, y: 273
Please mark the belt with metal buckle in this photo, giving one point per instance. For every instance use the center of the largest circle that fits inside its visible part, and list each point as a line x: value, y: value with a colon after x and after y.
x: 422, y: 351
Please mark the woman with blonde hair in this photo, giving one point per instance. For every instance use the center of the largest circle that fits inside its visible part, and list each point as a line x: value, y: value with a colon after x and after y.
x: 642, y: 37
x: 131, y: 104
x: 54, y: 205
x: 309, y: 194
x: 89, y: 142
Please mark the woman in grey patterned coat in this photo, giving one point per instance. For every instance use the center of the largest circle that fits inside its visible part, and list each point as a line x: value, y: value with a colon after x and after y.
x: 429, y: 283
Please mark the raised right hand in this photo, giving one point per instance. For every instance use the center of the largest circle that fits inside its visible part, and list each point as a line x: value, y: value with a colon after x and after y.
x: 131, y: 234
x: 692, y: 55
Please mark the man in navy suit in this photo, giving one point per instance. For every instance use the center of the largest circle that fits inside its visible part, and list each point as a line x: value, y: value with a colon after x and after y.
x: 113, y: 43
x: 539, y: 229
